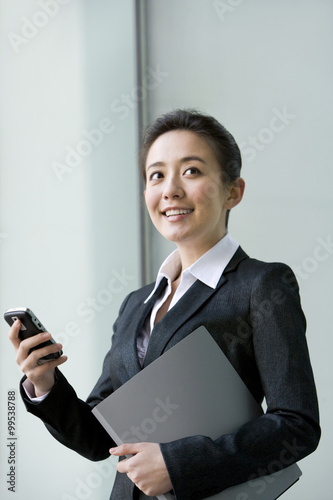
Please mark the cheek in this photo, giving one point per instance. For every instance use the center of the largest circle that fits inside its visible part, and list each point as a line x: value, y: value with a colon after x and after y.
x: 151, y: 200
x: 208, y: 193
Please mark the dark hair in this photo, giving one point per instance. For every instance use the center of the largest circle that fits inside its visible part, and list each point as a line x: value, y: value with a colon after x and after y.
x: 220, y: 140
x: 217, y: 136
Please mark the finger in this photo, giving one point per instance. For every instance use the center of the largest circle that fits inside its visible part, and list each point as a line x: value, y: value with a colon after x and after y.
x: 35, y: 340
x: 125, y: 449
x: 14, y: 334
x: 36, y: 370
x: 123, y: 466
x: 27, y: 344
x: 34, y: 357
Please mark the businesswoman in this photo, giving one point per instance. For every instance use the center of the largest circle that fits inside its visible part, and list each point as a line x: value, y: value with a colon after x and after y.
x: 191, y: 165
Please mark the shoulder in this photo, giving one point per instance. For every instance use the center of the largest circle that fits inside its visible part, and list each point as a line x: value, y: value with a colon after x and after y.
x: 254, y: 273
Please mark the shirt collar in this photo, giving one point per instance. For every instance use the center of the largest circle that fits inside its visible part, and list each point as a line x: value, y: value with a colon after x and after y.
x: 208, y: 268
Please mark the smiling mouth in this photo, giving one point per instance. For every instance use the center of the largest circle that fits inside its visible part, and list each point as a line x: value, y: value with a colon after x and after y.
x: 169, y: 213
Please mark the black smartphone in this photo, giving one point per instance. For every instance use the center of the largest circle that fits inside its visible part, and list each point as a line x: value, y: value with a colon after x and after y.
x: 30, y: 326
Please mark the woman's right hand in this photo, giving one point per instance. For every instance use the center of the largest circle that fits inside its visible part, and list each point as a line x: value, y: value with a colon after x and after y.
x: 41, y: 376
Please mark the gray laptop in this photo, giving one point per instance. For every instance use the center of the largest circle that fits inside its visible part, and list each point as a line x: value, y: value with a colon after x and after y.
x: 191, y: 389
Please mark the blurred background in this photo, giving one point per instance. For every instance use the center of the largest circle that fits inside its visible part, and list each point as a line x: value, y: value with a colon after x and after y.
x: 78, y: 82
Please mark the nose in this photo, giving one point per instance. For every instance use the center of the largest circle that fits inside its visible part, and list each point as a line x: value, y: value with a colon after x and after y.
x: 173, y: 188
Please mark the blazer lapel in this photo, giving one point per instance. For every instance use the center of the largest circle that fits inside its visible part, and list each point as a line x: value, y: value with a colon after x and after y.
x: 187, y: 306
x: 135, y: 324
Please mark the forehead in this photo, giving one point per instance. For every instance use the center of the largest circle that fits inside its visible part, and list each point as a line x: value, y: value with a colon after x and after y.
x: 177, y: 144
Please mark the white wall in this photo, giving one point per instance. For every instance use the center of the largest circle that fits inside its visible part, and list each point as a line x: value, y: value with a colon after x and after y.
x: 65, y: 231
x: 244, y: 63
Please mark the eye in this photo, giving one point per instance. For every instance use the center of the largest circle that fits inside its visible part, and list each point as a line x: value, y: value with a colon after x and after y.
x: 155, y: 176
x: 192, y: 171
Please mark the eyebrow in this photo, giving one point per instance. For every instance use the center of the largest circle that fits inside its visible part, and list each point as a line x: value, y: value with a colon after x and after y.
x: 183, y: 160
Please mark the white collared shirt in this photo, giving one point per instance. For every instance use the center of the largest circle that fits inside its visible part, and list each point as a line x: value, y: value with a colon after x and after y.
x: 208, y: 269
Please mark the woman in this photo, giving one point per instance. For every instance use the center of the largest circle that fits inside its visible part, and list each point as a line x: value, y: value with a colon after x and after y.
x: 191, y: 165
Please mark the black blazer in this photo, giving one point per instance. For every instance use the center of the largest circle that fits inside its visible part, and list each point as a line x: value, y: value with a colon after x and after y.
x: 255, y: 316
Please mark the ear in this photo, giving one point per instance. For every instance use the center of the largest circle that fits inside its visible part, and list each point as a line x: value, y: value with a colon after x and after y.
x: 235, y: 195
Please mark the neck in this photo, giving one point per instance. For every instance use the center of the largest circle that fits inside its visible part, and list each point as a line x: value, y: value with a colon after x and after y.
x: 191, y: 253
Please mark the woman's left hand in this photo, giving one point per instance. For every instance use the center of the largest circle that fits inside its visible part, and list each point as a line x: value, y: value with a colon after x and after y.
x: 146, y: 468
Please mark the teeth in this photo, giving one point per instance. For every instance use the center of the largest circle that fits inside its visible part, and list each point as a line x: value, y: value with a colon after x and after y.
x: 178, y: 212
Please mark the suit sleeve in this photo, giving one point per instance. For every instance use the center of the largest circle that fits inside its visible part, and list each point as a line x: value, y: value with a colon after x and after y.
x: 200, y: 467
x: 69, y: 419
